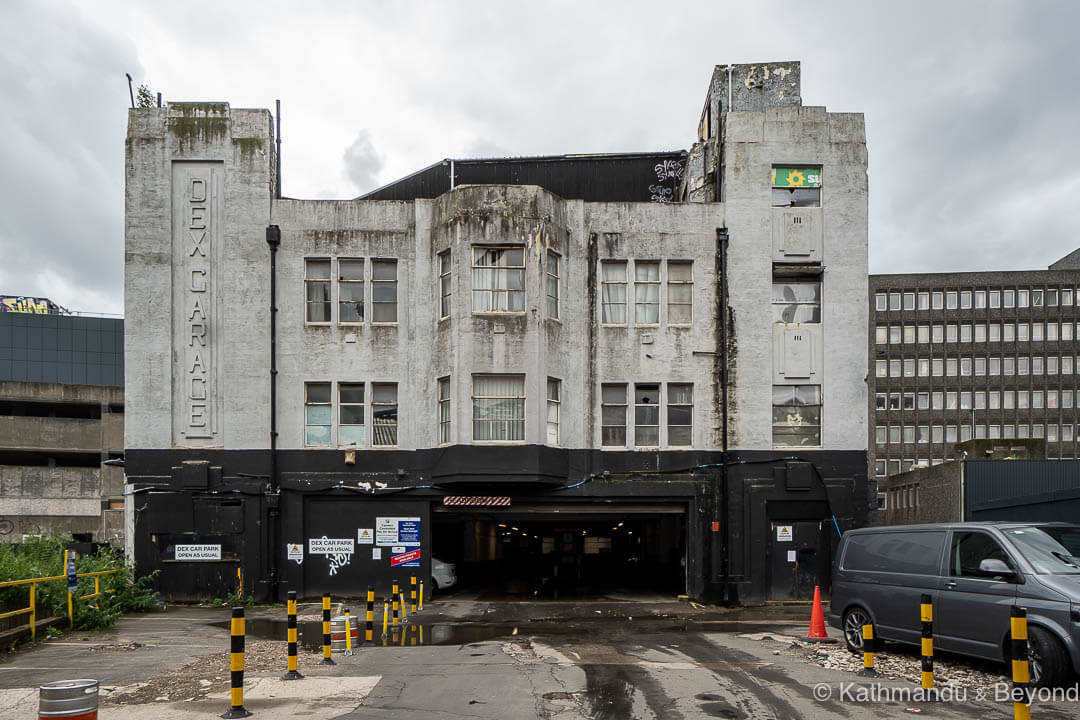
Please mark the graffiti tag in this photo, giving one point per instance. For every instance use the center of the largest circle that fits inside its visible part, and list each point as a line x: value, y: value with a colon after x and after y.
x: 338, y: 561
x: 32, y: 305
x: 669, y: 169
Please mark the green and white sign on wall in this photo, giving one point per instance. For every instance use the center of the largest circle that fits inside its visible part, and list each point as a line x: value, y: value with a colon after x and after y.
x: 796, y: 177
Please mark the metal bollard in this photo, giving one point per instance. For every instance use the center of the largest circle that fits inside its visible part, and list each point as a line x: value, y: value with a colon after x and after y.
x: 327, y: 645
x: 1021, y: 671
x: 394, y: 604
x: 71, y: 699
x: 868, y: 651
x: 293, y: 672
x: 236, y: 666
x: 927, y: 615
x: 370, y: 617
x: 385, y: 616
x: 412, y: 594
x: 404, y: 612
x: 348, y: 633
x: 421, y: 594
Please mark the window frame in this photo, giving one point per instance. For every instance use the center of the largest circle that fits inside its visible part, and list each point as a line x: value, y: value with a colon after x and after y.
x: 376, y: 283
x: 342, y: 282
x: 492, y: 291
x: 509, y: 422
x: 552, y: 280
x: 327, y: 282
x: 623, y: 284
x: 681, y: 284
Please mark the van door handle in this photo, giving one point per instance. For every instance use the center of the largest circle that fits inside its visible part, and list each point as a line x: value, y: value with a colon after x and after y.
x: 950, y: 585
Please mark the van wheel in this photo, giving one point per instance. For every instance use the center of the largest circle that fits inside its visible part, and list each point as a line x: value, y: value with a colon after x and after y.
x: 854, y: 619
x: 1048, y: 663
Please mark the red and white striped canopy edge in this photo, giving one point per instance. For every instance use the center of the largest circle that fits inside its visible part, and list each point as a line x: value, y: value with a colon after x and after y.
x: 476, y: 500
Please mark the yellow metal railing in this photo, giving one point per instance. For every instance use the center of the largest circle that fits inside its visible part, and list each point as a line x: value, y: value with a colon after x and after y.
x: 31, y: 609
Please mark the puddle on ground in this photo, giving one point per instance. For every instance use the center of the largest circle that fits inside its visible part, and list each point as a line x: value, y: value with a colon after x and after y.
x: 310, y: 634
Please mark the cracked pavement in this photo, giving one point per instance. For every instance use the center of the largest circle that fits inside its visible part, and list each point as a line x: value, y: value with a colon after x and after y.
x: 646, y: 658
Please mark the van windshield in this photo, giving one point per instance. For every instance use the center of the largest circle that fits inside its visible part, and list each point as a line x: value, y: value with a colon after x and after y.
x: 1050, y: 550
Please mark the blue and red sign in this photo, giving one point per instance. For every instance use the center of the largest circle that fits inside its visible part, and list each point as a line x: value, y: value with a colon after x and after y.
x: 409, y: 558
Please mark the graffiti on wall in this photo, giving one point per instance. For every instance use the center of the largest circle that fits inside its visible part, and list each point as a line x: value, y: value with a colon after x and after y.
x: 668, y: 175
x: 32, y: 305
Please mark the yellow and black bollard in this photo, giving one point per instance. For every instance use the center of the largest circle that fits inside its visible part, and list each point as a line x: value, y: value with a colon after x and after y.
x: 369, y: 618
x: 927, y: 615
x: 394, y: 605
x: 421, y: 594
x: 293, y: 672
x: 326, y: 643
x: 1021, y: 671
x: 385, y: 617
x: 404, y: 612
x: 868, y: 651
x: 412, y: 594
x: 348, y: 633
x: 236, y: 666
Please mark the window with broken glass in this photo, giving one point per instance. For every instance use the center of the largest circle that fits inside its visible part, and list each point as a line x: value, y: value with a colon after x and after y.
x: 350, y: 413
x: 796, y: 415
x: 317, y: 413
x: 350, y: 290
x: 798, y: 186
x: 384, y: 414
x: 797, y: 302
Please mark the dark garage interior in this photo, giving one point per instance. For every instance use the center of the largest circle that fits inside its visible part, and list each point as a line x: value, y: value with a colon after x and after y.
x: 556, y: 552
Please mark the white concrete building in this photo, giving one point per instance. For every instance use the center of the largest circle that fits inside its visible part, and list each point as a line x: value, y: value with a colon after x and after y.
x: 672, y: 344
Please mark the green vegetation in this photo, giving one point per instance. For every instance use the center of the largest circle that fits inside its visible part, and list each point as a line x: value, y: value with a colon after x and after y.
x: 44, y: 557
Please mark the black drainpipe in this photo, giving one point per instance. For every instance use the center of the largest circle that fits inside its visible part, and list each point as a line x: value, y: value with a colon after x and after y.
x: 273, y: 239
x: 722, y: 241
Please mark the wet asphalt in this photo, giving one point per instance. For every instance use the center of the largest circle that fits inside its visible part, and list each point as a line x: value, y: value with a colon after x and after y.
x: 604, y: 658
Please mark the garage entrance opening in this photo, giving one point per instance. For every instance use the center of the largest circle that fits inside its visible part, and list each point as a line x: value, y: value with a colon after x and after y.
x: 563, y: 552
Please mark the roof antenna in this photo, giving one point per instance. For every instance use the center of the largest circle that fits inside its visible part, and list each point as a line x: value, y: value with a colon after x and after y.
x: 130, y: 91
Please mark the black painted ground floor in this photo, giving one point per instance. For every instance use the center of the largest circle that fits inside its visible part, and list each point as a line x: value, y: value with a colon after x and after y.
x: 516, y: 522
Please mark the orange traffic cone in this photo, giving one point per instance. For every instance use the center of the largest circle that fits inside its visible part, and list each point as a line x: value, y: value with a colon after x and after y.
x: 817, y: 621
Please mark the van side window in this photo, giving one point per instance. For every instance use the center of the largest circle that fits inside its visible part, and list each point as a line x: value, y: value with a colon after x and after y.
x: 898, y: 552
x: 969, y: 549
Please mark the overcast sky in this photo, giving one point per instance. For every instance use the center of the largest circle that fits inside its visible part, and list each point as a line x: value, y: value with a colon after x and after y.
x: 972, y: 108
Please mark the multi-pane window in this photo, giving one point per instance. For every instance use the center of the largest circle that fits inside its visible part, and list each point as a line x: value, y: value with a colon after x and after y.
x: 444, y: 284
x: 800, y: 302
x: 498, y: 279
x: 554, y: 399
x: 444, y: 410
x: 551, y: 274
x: 646, y: 415
x: 384, y: 291
x: 613, y: 415
x: 317, y: 414
x: 924, y: 300
x: 680, y: 413
x: 881, y: 301
x: 797, y: 415
x: 384, y: 414
x: 351, y: 290
x: 499, y: 408
x: 317, y: 289
x: 909, y: 301
x: 350, y: 413
x: 646, y: 292
x: 680, y: 288
x: 613, y: 292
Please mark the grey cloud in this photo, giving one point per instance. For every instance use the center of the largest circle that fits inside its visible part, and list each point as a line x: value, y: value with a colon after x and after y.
x: 363, y: 162
x: 61, y: 163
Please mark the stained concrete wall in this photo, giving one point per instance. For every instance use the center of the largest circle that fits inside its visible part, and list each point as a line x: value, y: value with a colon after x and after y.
x: 36, y: 499
x: 234, y: 151
x: 419, y: 347
x: 755, y: 143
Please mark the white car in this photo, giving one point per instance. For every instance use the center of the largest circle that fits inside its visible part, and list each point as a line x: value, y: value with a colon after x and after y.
x: 443, y: 574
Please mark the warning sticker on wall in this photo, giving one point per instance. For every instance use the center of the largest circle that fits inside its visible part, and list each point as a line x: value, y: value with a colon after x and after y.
x: 365, y: 536
x: 295, y: 551
x: 330, y: 546
x: 409, y: 558
x: 783, y: 533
